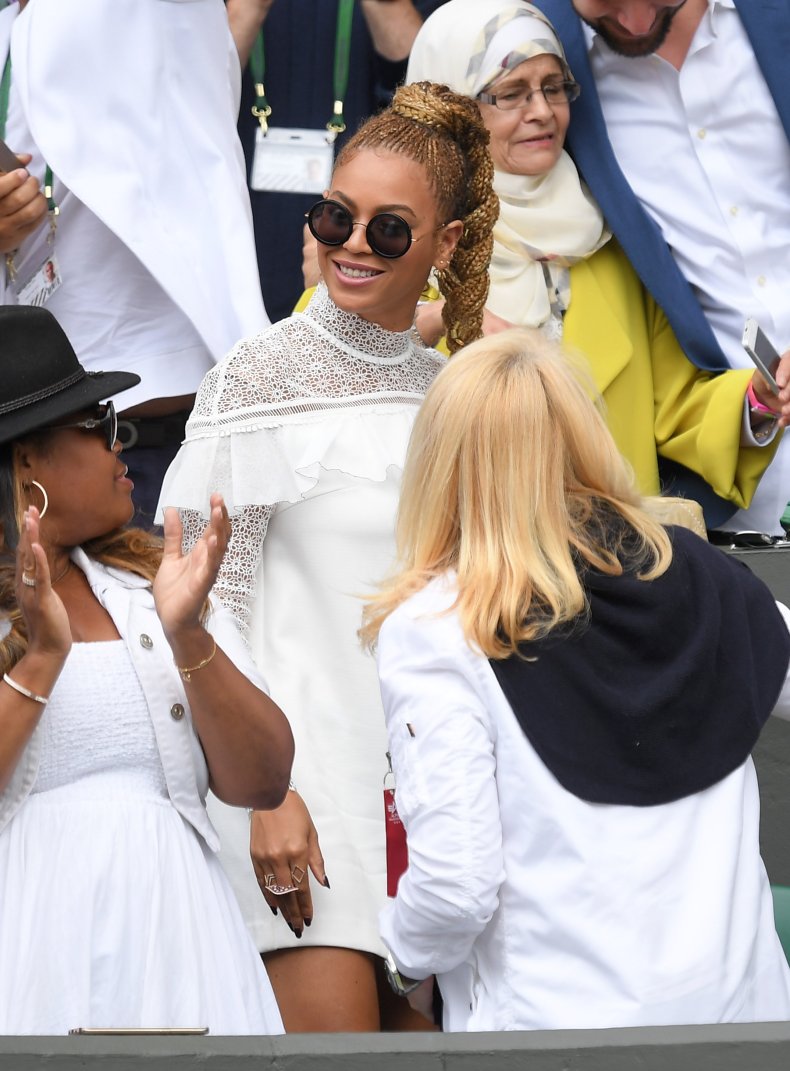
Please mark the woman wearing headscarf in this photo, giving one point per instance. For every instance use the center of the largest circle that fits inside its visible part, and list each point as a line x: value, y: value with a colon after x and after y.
x: 556, y: 267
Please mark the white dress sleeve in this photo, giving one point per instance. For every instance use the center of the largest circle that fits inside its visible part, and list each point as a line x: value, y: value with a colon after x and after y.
x: 442, y: 747
x: 235, y: 586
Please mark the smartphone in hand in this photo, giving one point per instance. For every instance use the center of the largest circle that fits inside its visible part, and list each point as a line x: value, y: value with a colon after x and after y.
x: 8, y: 160
x: 756, y: 344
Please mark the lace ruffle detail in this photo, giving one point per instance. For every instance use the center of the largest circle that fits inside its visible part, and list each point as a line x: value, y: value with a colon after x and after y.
x: 321, y: 390
x: 263, y: 466
x: 307, y: 365
x: 235, y: 586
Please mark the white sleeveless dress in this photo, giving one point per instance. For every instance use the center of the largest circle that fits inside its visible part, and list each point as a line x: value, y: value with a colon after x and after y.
x: 113, y: 912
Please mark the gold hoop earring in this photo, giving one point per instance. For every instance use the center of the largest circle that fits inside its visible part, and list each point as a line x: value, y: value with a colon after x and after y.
x: 35, y: 483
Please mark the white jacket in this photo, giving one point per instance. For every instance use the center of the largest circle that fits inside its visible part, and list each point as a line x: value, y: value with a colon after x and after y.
x: 129, y: 602
x: 538, y: 910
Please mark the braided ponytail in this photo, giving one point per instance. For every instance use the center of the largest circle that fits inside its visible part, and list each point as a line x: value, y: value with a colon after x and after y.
x: 443, y: 131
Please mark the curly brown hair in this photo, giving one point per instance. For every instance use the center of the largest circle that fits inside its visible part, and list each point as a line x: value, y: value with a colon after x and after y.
x: 443, y: 131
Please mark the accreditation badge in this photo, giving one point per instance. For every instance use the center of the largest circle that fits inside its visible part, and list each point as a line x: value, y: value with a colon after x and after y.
x: 293, y: 160
x: 38, y: 289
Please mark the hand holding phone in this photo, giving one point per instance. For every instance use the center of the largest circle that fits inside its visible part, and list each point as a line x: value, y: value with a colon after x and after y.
x: 761, y: 352
x: 8, y: 159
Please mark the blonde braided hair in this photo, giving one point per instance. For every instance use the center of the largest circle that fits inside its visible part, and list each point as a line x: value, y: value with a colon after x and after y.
x: 443, y: 131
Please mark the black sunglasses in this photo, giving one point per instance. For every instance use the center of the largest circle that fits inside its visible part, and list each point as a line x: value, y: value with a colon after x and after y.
x: 331, y: 223
x: 106, y: 421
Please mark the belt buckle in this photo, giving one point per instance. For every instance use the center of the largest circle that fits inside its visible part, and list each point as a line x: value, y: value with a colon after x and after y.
x: 130, y: 428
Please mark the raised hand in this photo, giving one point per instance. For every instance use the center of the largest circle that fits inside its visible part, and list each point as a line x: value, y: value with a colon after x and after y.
x: 45, y: 615
x: 184, y: 581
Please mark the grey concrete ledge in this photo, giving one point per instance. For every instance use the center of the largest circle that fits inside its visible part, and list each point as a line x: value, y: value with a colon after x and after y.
x: 761, y: 1046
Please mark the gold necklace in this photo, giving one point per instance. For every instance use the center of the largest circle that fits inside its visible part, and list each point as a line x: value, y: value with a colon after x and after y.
x: 61, y: 574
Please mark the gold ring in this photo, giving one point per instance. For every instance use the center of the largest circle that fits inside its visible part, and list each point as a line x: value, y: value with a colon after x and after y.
x: 269, y: 880
x: 297, y: 870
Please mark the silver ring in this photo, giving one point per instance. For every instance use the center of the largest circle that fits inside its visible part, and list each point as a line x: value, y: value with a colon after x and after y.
x: 29, y: 580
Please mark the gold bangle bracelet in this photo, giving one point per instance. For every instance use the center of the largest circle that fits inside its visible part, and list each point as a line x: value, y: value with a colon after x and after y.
x: 187, y: 671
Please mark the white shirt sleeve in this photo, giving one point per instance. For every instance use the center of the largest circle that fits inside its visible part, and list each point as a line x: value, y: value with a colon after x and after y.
x: 442, y: 747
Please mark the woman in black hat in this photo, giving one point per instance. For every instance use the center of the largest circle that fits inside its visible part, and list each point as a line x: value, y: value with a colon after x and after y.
x: 120, y: 702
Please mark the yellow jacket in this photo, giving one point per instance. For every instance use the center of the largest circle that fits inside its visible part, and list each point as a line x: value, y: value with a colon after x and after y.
x: 656, y: 401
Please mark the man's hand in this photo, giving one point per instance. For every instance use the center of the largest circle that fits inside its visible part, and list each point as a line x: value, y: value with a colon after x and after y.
x: 23, y: 207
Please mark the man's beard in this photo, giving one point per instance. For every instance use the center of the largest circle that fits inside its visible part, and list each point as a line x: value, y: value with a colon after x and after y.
x: 624, y: 43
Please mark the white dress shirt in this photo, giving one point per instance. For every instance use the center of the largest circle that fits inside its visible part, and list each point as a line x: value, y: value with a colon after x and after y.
x: 705, y: 152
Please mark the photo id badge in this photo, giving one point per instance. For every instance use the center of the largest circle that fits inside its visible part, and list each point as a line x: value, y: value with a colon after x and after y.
x: 42, y: 285
x: 292, y: 160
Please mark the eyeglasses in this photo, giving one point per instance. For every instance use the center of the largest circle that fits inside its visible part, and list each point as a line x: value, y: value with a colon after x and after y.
x: 106, y: 421
x: 556, y: 95
x: 387, y: 234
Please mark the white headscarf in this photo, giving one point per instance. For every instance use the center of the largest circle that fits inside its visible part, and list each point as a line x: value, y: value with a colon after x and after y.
x: 546, y: 222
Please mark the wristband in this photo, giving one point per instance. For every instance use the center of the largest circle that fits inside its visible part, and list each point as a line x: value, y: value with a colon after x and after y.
x: 757, y: 406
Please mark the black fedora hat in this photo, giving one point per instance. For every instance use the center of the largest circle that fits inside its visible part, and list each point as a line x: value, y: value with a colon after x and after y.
x: 42, y: 381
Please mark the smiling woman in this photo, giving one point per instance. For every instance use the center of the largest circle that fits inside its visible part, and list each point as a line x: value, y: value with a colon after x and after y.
x: 124, y: 694
x: 305, y: 427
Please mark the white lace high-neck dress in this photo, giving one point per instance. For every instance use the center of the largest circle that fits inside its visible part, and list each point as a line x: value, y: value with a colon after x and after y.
x: 113, y: 911
x: 304, y: 430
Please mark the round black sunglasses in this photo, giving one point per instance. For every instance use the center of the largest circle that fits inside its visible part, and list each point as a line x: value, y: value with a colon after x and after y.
x: 387, y: 234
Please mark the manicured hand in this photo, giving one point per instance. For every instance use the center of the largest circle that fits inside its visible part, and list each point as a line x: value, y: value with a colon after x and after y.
x: 284, y: 848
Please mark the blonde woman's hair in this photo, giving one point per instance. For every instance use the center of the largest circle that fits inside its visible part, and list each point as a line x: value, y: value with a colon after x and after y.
x: 133, y: 549
x: 514, y: 483
x: 443, y: 131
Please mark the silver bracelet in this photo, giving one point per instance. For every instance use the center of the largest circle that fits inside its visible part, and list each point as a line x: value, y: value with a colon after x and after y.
x: 42, y: 699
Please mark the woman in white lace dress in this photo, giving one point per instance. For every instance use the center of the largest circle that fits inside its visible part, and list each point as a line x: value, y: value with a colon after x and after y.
x: 304, y: 430
x: 124, y: 694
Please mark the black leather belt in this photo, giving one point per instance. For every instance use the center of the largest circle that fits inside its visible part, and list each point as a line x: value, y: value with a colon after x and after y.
x: 152, y: 431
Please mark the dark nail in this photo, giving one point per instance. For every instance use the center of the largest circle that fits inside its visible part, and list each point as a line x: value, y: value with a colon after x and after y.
x: 308, y: 922
x: 273, y: 909
x: 298, y: 933
x: 325, y: 882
